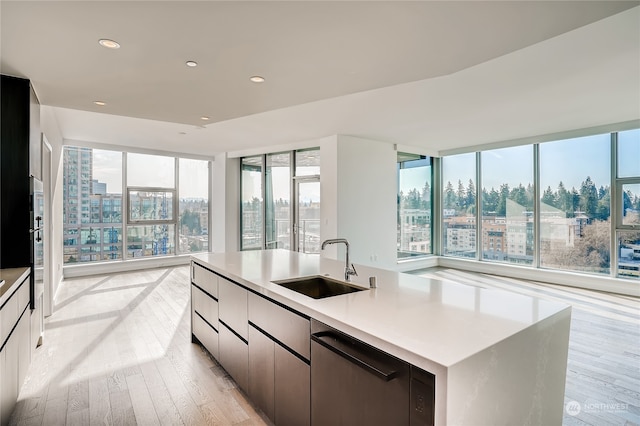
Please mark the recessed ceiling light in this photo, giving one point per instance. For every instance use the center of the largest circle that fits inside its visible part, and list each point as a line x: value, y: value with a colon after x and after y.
x: 100, y: 103
x: 109, y: 44
x: 204, y: 118
x: 257, y: 79
x: 191, y: 64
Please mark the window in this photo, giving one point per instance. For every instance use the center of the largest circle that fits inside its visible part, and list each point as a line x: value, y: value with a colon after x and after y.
x: 414, y: 205
x: 278, y: 201
x: 459, y: 205
x: 575, y: 228
x: 577, y: 212
x: 194, y: 206
x: 251, y: 203
x: 151, y: 198
x: 155, y: 171
x: 308, y: 162
x: 100, y: 204
x: 156, y: 221
x: 270, y: 218
x: 628, y: 204
x: 507, y: 203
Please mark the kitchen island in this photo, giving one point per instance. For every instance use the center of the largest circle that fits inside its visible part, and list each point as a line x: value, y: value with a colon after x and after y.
x: 497, y: 357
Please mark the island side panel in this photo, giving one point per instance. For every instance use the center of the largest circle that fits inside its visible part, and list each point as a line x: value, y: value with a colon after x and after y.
x: 520, y: 380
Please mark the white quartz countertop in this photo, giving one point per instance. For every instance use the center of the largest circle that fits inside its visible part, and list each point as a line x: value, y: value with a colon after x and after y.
x: 430, y: 323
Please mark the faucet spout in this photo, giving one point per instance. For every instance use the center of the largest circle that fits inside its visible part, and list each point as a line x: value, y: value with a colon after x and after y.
x: 349, y: 269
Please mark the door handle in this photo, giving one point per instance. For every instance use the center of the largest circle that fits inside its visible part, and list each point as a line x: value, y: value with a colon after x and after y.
x: 335, y: 343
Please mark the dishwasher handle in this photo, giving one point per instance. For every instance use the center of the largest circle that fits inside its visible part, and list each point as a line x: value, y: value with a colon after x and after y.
x: 327, y: 339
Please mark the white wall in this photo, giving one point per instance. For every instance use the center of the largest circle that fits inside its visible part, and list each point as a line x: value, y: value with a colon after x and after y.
x: 225, y: 204
x: 50, y: 128
x: 358, y: 197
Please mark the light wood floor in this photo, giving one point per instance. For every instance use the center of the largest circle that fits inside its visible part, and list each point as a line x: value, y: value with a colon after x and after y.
x: 118, y: 351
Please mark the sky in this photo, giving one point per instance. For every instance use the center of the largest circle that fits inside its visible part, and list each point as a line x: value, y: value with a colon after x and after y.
x: 151, y: 170
x: 569, y: 161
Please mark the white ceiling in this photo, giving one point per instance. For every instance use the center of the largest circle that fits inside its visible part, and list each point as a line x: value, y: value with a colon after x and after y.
x: 436, y: 75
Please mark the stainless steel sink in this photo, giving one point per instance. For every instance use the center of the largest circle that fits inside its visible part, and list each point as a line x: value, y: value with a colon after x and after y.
x: 318, y: 286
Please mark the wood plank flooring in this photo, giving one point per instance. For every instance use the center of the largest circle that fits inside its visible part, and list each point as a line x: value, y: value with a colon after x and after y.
x: 603, y: 372
x: 118, y: 351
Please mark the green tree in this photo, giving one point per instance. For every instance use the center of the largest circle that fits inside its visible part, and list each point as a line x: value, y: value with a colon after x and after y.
x: 490, y: 200
x: 549, y: 197
x: 471, y: 197
x: 191, y: 220
x: 461, y: 195
x: 589, y: 198
x: 603, y: 211
x: 519, y: 195
x: 449, y: 197
x: 501, y: 208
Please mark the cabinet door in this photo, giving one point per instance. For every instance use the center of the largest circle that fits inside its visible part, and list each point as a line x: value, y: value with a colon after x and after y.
x: 285, y: 326
x: 206, y: 335
x: 23, y: 334
x: 232, y: 308
x: 206, y: 280
x: 205, y: 305
x: 9, y: 360
x: 292, y: 389
x: 9, y: 314
x: 234, y: 356
x: 261, y: 371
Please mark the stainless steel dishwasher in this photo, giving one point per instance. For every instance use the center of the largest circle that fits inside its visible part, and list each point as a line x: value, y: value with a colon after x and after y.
x: 354, y: 384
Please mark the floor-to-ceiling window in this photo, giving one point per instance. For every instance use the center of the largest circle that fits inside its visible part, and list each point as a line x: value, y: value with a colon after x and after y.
x: 289, y: 217
x: 575, y: 230
x: 193, y: 207
x: 151, y: 210
x: 586, y: 217
x: 251, y: 199
x: 92, y: 205
x: 278, y: 201
x: 307, y: 195
x: 628, y: 208
x: 414, y: 205
x: 154, y: 216
x: 459, y: 205
x: 507, y: 205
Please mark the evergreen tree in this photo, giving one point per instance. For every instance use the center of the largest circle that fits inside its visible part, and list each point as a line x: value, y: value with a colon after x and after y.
x: 588, y: 198
x: 449, y: 197
x: 519, y: 195
x: 603, y: 211
x: 471, y: 195
x: 501, y: 208
x: 462, y: 197
x: 549, y: 197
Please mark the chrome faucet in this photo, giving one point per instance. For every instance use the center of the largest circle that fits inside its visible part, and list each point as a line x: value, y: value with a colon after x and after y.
x: 349, y: 269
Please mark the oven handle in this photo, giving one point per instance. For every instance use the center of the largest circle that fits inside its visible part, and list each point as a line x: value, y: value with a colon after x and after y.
x: 325, y: 338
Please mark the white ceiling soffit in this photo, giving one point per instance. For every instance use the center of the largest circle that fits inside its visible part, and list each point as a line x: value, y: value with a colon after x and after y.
x: 434, y: 74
